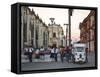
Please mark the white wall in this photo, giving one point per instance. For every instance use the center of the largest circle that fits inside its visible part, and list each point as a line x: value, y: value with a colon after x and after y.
x: 5, y: 42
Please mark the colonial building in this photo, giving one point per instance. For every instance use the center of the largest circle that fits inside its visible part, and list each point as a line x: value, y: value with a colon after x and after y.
x: 56, y: 35
x: 34, y: 32
x: 87, y: 31
x: 25, y: 27
x: 43, y: 35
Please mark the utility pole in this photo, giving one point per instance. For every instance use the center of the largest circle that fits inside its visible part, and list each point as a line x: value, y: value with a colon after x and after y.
x: 69, y: 19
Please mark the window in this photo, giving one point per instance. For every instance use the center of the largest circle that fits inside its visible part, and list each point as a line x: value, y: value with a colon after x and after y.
x: 92, y: 20
x: 91, y: 34
x: 87, y: 24
x: 54, y: 34
x: 25, y: 32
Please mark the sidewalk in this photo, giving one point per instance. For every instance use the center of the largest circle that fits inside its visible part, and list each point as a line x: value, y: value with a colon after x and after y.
x: 46, y: 58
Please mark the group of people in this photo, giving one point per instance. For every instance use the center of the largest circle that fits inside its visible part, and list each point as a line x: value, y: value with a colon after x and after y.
x: 65, y: 52
x: 29, y: 51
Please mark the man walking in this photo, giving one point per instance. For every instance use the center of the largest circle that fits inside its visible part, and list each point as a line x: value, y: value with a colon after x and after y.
x: 67, y: 54
x: 30, y: 51
x: 55, y: 52
x: 62, y: 53
x: 86, y: 50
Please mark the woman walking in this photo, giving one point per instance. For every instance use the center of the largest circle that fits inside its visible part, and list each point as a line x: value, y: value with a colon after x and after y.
x: 62, y: 53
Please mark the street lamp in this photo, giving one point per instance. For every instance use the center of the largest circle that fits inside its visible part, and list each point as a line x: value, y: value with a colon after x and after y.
x: 66, y: 32
x: 52, y: 20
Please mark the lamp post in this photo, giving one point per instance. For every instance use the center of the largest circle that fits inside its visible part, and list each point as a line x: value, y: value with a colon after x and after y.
x: 52, y: 23
x: 66, y: 32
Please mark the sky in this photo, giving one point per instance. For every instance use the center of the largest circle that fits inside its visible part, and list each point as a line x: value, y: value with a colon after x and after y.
x: 61, y: 17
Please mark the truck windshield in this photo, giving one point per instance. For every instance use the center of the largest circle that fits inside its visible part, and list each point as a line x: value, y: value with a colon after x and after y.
x: 79, y: 49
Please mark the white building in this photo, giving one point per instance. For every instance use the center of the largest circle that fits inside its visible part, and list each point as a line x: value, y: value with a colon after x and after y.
x: 55, y: 35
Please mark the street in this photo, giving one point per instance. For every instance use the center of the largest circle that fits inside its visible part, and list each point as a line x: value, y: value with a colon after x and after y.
x: 47, y: 63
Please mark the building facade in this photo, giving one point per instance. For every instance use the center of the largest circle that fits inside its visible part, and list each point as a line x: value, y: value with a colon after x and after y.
x: 87, y: 31
x: 25, y: 27
x: 34, y: 32
x: 55, y: 34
